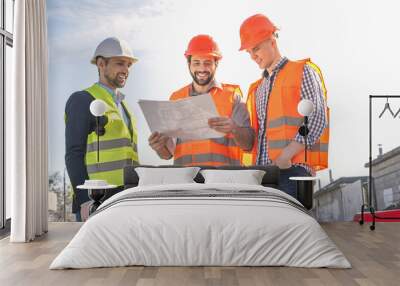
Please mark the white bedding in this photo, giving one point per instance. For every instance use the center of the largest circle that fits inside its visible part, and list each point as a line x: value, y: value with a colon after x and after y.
x: 182, y: 231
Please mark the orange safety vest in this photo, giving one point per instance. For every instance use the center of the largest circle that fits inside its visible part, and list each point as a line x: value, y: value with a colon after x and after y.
x: 211, y: 152
x: 283, y: 119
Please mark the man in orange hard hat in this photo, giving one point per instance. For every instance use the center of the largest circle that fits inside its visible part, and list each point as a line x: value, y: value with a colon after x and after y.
x: 203, y: 56
x: 272, y: 103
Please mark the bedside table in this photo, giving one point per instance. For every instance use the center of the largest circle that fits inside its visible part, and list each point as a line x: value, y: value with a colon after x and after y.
x: 305, y: 190
x: 97, y: 190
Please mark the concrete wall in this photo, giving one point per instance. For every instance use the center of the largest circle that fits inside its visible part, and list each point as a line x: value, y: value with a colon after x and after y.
x: 340, y: 204
x: 387, y: 182
x: 329, y: 206
x: 352, y: 200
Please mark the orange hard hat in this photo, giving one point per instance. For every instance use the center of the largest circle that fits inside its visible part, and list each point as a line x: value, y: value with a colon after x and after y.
x: 254, y: 30
x: 203, y: 45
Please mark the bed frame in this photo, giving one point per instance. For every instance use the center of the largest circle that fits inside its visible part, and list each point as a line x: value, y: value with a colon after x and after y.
x: 270, y: 179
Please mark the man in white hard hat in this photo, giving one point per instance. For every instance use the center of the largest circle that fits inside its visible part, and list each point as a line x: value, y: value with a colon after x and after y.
x: 117, y: 133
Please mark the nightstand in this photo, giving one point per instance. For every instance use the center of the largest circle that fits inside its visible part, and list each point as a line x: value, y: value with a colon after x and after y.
x: 305, y: 190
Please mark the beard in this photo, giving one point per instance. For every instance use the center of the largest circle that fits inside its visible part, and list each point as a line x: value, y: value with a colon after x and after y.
x: 202, y: 82
x: 114, y: 81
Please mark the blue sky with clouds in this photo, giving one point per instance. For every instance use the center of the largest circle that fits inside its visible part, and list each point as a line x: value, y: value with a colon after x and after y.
x: 354, y: 42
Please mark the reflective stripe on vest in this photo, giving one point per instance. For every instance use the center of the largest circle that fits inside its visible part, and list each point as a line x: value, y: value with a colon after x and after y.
x: 227, y: 141
x: 283, y: 119
x: 117, y: 147
x: 217, y: 151
x: 205, y: 159
x: 111, y: 144
x: 108, y: 166
x: 280, y: 144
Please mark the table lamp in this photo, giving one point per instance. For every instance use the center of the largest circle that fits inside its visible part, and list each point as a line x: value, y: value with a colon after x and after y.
x: 98, y: 108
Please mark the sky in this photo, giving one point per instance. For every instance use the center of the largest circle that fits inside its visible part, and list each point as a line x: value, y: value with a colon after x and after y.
x: 355, y: 43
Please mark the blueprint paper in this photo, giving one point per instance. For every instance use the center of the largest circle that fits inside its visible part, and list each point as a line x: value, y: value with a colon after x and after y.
x: 186, y: 118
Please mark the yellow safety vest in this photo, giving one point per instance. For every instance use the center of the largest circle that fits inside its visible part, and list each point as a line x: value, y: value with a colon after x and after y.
x: 118, y: 146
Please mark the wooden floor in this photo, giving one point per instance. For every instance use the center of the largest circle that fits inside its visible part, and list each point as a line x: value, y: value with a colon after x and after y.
x: 375, y: 256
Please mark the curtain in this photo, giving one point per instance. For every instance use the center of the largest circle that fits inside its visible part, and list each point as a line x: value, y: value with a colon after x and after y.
x: 26, y: 123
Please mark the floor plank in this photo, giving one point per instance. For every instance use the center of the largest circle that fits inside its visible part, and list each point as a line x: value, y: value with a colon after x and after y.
x: 374, y: 255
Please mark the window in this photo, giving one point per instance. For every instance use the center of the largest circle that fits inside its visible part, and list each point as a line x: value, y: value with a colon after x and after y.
x: 6, y: 44
x: 387, y: 197
x: 2, y: 196
x: 9, y: 19
x: 365, y: 188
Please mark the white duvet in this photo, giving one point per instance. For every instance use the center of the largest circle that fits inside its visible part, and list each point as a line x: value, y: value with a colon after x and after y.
x: 183, y: 231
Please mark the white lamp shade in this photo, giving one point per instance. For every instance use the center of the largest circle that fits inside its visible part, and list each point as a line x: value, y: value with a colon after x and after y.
x: 98, y: 107
x: 305, y: 107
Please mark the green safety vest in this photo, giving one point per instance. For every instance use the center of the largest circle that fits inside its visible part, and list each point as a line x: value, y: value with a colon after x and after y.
x: 118, y: 146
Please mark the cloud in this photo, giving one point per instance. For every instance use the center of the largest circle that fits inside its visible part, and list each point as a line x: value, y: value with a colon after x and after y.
x: 76, y: 29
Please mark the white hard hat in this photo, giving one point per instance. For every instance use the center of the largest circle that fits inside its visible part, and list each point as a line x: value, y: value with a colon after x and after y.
x: 113, y: 47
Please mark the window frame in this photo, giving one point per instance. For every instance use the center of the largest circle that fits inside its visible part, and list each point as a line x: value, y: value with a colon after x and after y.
x: 6, y: 39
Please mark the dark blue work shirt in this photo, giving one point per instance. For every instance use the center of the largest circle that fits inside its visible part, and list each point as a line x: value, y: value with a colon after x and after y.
x: 79, y: 123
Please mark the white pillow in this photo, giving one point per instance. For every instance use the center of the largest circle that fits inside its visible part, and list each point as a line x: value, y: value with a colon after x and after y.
x: 248, y: 177
x: 165, y: 176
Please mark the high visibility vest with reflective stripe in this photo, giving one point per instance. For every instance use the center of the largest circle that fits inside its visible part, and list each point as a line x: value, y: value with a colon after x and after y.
x: 283, y: 119
x: 211, y: 152
x: 118, y: 146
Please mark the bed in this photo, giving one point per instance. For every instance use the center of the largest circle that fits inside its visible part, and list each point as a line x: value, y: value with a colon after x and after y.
x: 201, y: 224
